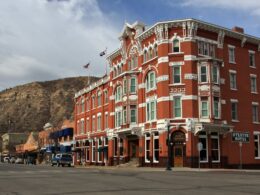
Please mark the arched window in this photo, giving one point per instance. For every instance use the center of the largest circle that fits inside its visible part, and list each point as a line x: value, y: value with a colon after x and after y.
x: 150, y: 81
x: 150, y: 53
x: 145, y: 56
x: 176, y: 46
x: 99, y: 98
x: 155, y: 51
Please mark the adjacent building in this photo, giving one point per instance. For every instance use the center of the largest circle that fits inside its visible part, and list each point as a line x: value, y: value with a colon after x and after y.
x: 194, y: 82
x: 9, y: 142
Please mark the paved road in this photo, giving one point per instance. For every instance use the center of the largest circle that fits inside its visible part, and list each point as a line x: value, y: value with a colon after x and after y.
x: 46, y: 180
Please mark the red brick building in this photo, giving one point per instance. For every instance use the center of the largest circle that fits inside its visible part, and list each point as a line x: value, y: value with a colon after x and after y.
x: 199, y: 78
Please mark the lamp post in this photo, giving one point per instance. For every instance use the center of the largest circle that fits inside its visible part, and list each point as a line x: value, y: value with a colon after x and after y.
x: 168, y: 167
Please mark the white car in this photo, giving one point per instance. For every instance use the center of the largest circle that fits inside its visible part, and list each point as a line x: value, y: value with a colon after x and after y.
x: 6, y: 159
x: 19, y: 161
x: 12, y: 160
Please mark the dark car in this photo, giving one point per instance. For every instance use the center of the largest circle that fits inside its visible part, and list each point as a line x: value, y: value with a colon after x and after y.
x: 62, y: 159
x: 31, y: 160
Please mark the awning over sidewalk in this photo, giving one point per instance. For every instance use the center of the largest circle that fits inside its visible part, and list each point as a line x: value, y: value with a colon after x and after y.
x: 211, y: 127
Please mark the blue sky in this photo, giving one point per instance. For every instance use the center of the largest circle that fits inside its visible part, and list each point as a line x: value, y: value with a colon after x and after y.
x: 50, y: 39
x: 152, y: 11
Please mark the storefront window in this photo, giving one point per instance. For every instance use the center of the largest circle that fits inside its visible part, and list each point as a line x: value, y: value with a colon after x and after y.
x: 99, y: 152
x: 115, y: 146
x: 147, y: 147
x: 257, y: 145
x: 203, y: 152
x: 215, y: 147
x: 121, y: 148
x: 156, y: 147
x: 93, y: 151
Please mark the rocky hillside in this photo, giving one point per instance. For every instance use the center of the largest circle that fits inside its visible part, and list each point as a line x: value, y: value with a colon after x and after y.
x: 28, y: 107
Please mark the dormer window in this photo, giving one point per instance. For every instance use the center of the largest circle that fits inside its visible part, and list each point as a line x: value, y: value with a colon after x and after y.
x: 176, y: 46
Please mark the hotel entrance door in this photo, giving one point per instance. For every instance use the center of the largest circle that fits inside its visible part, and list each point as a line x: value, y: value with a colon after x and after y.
x: 178, y: 139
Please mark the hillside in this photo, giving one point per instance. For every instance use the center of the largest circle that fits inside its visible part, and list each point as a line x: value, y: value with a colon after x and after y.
x: 28, y: 107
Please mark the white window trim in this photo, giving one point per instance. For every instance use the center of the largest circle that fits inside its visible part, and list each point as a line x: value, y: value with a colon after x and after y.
x: 235, y: 73
x: 207, y: 109
x: 207, y: 73
x: 99, y: 160
x: 135, y: 85
x: 136, y: 118
x: 174, y: 97
x: 147, y: 79
x: 234, y: 49
x: 252, y: 52
x: 154, y: 138
x: 207, y: 148
x: 218, y: 75
x: 155, y: 110
x: 145, y: 154
x: 219, y: 108
x: 255, y: 77
x: 257, y: 133
x: 216, y: 136
x: 180, y: 83
x: 93, y: 151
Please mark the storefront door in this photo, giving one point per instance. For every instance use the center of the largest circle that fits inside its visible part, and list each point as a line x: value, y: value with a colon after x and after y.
x: 178, y: 155
x: 178, y: 139
x: 133, y: 149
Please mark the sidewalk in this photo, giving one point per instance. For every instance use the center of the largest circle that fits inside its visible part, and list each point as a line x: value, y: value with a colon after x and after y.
x: 174, y: 169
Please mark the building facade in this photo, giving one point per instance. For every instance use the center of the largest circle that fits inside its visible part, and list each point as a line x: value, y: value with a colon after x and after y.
x: 194, y: 82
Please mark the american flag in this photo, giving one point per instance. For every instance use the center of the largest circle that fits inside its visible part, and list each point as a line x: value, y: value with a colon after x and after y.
x: 87, y: 65
x: 103, y: 52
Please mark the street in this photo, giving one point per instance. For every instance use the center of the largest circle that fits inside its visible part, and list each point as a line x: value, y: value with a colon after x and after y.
x: 47, y: 180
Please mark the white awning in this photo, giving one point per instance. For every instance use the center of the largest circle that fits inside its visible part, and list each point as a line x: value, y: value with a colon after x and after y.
x: 212, y: 127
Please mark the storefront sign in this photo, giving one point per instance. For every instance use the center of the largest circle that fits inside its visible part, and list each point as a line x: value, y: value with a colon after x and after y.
x: 240, y: 137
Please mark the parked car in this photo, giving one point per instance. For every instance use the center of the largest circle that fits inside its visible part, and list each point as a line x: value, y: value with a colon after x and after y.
x: 6, y: 159
x: 62, y: 159
x: 30, y: 160
x: 12, y: 160
x: 19, y: 161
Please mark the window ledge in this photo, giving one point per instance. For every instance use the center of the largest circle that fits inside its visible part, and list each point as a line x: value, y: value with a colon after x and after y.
x: 257, y: 123
x: 254, y: 92
x: 252, y: 67
x: 204, y: 161
x: 232, y: 62
x: 176, y: 53
x: 176, y: 84
x: 153, y: 89
x: 147, y: 61
x: 155, y: 161
x: 257, y: 158
x: 235, y: 121
x: 233, y: 89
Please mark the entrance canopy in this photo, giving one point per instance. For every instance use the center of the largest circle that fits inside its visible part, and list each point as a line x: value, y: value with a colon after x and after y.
x: 212, y: 127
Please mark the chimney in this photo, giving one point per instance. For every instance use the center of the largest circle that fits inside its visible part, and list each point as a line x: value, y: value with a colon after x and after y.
x: 237, y: 29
